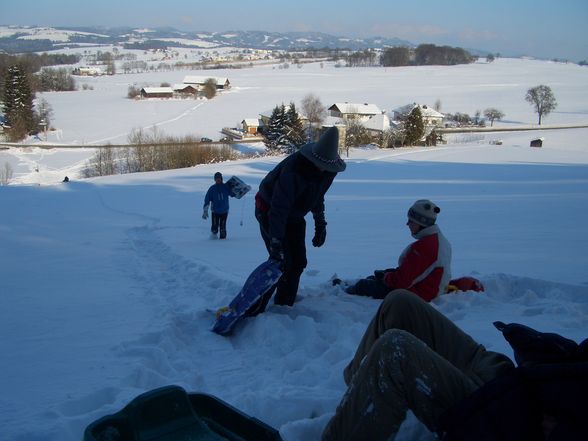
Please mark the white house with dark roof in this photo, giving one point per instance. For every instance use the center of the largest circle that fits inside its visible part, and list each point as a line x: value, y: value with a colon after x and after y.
x: 431, y: 118
x: 361, y: 112
x: 221, y: 82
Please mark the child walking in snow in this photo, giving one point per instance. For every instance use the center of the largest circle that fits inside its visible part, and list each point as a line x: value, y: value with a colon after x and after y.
x: 217, y: 196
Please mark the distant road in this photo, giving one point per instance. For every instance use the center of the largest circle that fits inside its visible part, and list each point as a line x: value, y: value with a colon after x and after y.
x: 5, y: 145
x: 510, y: 129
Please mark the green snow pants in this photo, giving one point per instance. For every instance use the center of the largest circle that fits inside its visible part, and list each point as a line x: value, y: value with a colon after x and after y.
x: 410, y: 357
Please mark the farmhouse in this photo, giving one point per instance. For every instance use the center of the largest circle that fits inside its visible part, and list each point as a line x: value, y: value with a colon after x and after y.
x: 360, y: 112
x: 87, y: 71
x: 157, y: 92
x: 251, y: 125
x: 185, y: 89
x: 431, y: 118
x: 198, y: 81
x: 377, y: 124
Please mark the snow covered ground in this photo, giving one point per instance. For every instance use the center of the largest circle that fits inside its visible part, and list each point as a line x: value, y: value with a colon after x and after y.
x: 106, y: 284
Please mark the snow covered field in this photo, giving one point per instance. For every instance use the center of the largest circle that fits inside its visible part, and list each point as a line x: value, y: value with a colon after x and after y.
x: 105, y: 283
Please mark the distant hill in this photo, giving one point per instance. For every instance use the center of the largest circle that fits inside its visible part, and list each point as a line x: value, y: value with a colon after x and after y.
x: 19, y: 39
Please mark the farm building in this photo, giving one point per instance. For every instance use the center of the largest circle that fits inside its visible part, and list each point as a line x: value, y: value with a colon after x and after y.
x: 361, y: 112
x: 221, y: 82
x: 251, y: 125
x: 185, y: 89
x: 157, y: 92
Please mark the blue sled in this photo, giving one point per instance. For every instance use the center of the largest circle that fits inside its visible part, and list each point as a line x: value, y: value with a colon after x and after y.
x: 258, y: 283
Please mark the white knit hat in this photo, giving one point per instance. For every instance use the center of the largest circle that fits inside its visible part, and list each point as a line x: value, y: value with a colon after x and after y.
x: 423, y: 212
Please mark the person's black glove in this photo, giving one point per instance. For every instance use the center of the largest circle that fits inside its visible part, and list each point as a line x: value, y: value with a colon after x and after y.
x: 276, y: 250
x: 320, y: 234
x: 379, y: 274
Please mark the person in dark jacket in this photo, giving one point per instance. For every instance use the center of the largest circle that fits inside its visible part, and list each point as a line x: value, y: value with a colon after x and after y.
x: 217, y: 196
x: 410, y: 357
x: 295, y: 187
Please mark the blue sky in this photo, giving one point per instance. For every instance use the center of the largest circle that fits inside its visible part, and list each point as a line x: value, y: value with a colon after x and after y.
x: 541, y: 28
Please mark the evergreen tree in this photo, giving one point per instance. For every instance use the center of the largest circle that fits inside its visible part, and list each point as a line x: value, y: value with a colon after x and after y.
x: 18, y: 103
x: 414, y: 126
x: 294, y: 128
x: 273, y: 133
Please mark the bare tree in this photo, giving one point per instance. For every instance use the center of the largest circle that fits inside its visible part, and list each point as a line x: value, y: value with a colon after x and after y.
x: 542, y: 98
x: 394, y: 137
x: 493, y: 114
x: 209, y: 88
x: 356, y: 134
x: 133, y: 92
x: 102, y: 163
x: 43, y: 114
x: 5, y: 174
x: 314, y: 111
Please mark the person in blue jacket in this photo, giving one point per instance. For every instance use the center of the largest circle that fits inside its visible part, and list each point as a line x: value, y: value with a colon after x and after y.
x: 295, y: 187
x: 217, y: 197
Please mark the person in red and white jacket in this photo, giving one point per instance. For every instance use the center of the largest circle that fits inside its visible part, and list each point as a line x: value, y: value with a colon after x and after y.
x: 424, y: 267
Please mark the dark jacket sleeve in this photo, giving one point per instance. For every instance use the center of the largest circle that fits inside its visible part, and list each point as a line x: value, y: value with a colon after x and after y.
x: 208, y: 197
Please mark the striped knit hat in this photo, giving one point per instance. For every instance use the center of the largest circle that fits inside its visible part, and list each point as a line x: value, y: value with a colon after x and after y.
x: 423, y: 212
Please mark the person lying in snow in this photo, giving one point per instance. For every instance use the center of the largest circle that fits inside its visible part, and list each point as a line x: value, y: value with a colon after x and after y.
x: 411, y: 357
x: 424, y: 267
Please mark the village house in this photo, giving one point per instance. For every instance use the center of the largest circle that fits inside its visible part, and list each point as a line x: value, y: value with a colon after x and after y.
x: 200, y: 81
x: 157, y: 92
x: 431, y: 118
x: 251, y: 125
x: 359, y: 112
x: 377, y: 124
x: 87, y: 71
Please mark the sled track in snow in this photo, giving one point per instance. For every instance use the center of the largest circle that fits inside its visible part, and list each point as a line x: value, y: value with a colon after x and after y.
x: 177, y: 346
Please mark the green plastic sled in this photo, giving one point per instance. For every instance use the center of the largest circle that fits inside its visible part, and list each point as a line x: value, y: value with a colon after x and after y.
x: 171, y: 414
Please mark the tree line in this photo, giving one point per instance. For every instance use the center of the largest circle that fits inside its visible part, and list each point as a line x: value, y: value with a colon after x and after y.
x: 425, y: 55
x: 30, y: 64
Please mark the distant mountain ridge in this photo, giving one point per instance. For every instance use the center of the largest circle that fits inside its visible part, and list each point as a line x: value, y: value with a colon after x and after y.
x: 19, y: 39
